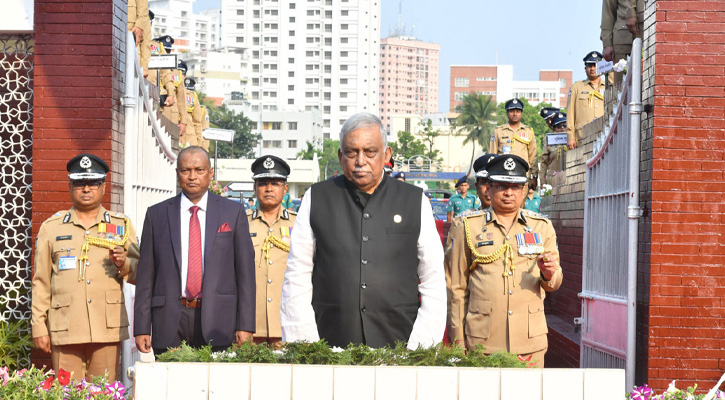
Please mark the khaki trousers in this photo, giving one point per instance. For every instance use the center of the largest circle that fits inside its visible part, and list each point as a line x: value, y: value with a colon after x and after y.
x: 88, y: 359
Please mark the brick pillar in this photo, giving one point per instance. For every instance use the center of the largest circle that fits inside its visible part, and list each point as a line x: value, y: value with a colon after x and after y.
x: 78, y: 76
x: 683, y: 161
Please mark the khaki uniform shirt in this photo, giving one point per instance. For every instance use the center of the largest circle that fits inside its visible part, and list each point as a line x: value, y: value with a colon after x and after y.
x: 614, y: 32
x: 551, y: 162
x: 193, y: 111
x: 71, y: 306
x: 583, y: 107
x: 520, y: 142
x: 500, y: 306
x: 138, y: 17
x: 271, y: 262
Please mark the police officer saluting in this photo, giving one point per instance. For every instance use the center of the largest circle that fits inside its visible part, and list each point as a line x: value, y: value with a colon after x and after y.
x: 503, y: 261
x: 270, y: 226
x: 462, y: 200
x: 82, y: 257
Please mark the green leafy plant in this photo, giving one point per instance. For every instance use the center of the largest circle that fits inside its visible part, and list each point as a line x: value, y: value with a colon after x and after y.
x: 354, y: 354
x: 645, y: 392
x: 15, y: 342
x: 37, y: 384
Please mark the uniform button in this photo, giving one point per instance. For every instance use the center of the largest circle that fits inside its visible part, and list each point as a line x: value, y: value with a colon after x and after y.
x: 270, y: 229
x: 366, y: 215
x: 88, y: 232
x: 269, y: 281
x: 270, y: 262
x: 89, y: 301
x: 507, y: 237
x: 511, y: 292
x: 511, y: 273
x: 88, y: 281
x: 364, y: 285
x: 365, y: 239
x: 364, y: 309
x: 364, y: 261
x: 511, y: 312
x: 269, y: 299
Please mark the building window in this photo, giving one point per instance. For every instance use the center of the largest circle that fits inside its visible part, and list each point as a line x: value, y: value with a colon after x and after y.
x: 292, y: 144
x: 458, y: 96
x: 343, y: 81
x: 240, y: 26
x: 343, y: 67
x: 291, y: 60
x: 272, y: 144
x: 240, y: 39
x: 240, y: 12
x: 291, y: 6
x: 292, y: 126
x: 290, y: 101
x: 344, y: 13
x: 461, y: 82
x: 343, y: 40
x: 291, y: 74
x: 343, y: 95
x: 291, y: 33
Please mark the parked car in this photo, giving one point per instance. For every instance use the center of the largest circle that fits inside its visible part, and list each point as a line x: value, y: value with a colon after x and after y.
x: 439, y: 208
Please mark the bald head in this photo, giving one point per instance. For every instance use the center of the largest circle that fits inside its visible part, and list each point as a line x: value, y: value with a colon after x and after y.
x: 192, y: 150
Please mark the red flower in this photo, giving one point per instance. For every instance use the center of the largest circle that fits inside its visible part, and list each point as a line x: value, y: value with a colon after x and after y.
x: 48, y: 383
x: 63, y: 377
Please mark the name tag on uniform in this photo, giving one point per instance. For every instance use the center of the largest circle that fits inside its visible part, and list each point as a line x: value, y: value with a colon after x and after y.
x: 253, y: 234
x: 67, y: 262
x: 480, y: 244
x: 66, y: 237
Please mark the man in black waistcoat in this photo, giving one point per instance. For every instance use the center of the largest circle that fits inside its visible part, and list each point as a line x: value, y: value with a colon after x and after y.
x: 361, y: 244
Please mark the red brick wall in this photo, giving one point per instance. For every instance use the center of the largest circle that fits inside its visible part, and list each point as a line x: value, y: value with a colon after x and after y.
x: 472, y: 72
x: 552, y: 75
x: 686, y: 253
x: 77, y: 88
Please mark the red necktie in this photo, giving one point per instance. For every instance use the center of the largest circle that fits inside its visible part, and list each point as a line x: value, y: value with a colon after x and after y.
x: 193, y: 274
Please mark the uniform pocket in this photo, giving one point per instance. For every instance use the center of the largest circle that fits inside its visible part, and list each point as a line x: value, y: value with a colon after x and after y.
x: 478, y: 318
x: 59, y: 315
x: 537, y: 319
x: 115, y: 310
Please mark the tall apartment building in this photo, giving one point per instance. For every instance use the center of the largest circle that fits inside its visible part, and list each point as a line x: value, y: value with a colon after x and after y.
x: 498, y: 82
x: 307, y: 55
x: 191, y: 32
x: 408, y: 77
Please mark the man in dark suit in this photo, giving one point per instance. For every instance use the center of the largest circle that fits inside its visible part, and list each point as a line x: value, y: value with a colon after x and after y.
x: 195, y: 279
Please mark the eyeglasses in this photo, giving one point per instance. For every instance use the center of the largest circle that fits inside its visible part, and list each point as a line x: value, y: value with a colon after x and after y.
x: 93, y: 185
x: 506, y: 186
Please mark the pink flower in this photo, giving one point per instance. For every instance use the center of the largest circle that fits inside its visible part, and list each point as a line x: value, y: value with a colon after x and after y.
x: 641, y: 392
x: 116, y: 389
x: 4, y: 375
x: 21, y: 372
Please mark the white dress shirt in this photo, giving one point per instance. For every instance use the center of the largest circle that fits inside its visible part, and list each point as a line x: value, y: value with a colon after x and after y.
x: 185, y: 210
x: 298, y: 316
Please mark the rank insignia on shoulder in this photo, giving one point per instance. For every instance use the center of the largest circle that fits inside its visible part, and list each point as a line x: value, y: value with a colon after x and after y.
x: 488, y: 216
x: 107, y: 217
x: 488, y: 243
x: 58, y: 214
x: 66, y: 218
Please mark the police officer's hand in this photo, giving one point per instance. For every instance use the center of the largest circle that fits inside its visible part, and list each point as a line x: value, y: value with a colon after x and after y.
x: 633, y: 26
x: 571, y: 144
x: 143, y: 343
x: 118, y: 256
x: 547, y: 264
x: 182, y: 129
x: 170, y: 100
x: 138, y: 33
x: 42, y: 343
x: 243, y: 336
x: 608, y: 53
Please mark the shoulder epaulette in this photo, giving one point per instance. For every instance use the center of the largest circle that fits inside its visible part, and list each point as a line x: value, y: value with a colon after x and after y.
x: 249, y: 212
x: 534, y: 215
x: 292, y: 212
x: 285, y: 213
x: 471, y: 214
x: 56, y: 215
x: 118, y: 215
x: 66, y: 218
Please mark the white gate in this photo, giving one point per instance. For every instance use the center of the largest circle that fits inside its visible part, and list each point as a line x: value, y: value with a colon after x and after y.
x: 611, y: 212
x: 149, y: 169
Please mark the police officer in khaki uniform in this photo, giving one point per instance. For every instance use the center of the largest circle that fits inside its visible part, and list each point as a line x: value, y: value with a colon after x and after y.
x: 552, y: 156
x: 82, y: 257
x: 140, y: 24
x: 156, y: 47
x: 177, y: 113
x: 622, y: 21
x: 204, y: 126
x: 586, y: 100
x: 193, y: 108
x: 270, y: 225
x: 515, y: 137
x: 503, y: 261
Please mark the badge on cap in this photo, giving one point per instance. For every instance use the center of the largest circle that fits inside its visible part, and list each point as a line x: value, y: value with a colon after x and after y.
x: 268, y: 163
x: 509, y: 164
x: 397, y: 218
x: 515, y: 101
x: 594, y: 55
x: 85, y: 162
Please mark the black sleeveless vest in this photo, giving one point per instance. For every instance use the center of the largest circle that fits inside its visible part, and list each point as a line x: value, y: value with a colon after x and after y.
x: 365, y: 277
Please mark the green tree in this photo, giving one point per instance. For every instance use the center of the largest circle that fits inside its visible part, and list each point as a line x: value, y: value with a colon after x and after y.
x: 428, y: 136
x: 327, y: 157
x: 476, y: 120
x: 407, y: 146
x: 529, y: 117
x: 244, y: 140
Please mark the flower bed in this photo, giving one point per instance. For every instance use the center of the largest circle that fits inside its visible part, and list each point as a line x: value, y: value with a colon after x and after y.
x: 37, y: 384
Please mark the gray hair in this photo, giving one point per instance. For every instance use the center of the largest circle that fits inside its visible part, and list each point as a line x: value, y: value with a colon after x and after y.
x: 363, y: 120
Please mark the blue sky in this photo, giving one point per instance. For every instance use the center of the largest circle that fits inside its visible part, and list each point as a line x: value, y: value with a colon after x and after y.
x: 528, y: 34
